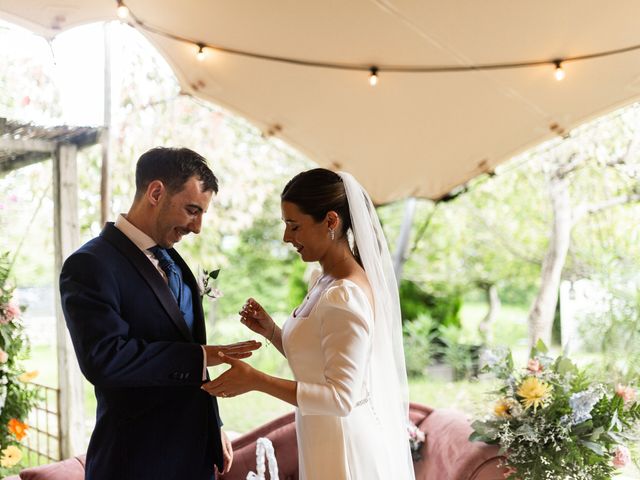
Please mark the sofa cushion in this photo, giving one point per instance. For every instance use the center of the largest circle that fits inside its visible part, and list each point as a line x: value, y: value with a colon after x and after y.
x: 282, y: 433
x: 449, y: 453
x: 69, y: 469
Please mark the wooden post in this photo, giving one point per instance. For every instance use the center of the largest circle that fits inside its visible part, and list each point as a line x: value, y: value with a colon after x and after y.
x: 105, y: 139
x: 67, y: 240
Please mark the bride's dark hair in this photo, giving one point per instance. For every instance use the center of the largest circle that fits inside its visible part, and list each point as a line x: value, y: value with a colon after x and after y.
x: 318, y: 191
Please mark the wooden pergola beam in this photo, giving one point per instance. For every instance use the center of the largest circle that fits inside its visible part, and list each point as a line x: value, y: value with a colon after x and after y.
x: 23, y: 160
x: 30, y: 145
x: 23, y: 145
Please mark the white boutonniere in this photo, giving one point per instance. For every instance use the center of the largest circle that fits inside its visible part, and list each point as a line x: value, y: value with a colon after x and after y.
x: 205, y: 283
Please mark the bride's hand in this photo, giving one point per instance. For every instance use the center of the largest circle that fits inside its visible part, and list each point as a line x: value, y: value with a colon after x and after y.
x: 240, y: 378
x: 256, y: 318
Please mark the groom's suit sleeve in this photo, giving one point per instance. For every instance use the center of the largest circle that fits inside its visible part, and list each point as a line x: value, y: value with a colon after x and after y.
x: 108, y: 356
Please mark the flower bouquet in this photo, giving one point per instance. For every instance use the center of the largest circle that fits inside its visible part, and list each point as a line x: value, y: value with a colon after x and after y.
x: 553, y: 422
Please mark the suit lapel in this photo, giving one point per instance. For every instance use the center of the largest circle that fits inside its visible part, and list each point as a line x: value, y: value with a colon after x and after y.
x: 153, y: 278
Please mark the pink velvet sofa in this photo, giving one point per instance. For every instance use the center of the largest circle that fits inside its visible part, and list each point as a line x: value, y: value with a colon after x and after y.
x: 446, y: 455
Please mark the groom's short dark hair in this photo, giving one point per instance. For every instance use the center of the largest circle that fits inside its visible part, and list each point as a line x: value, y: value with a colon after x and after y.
x: 173, y: 167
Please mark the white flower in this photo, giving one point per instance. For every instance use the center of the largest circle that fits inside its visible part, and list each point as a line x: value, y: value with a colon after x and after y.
x: 582, y: 403
x: 204, y: 277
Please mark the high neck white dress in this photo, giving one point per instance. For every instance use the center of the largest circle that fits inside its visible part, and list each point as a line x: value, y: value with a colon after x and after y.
x: 327, y: 341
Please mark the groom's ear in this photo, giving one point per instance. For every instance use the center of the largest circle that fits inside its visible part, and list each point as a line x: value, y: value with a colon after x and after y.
x: 155, y: 190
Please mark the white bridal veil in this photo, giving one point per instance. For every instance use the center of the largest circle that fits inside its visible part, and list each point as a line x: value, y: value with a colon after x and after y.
x: 389, y: 392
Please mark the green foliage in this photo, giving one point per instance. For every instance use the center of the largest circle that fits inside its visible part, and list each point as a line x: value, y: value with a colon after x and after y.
x: 419, y: 348
x: 259, y: 268
x: 455, y: 352
x: 614, y: 326
x: 17, y: 397
x: 443, y: 304
x: 554, y: 421
x: 297, y: 285
x: 414, y: 302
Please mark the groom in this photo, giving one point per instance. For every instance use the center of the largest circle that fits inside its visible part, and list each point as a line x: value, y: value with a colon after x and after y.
x: 133, y: 310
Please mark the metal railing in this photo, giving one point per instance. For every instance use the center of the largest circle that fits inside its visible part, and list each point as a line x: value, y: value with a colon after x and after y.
x: 42, y: 445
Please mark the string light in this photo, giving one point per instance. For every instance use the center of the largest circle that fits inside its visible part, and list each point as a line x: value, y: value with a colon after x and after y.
x: 559, y: 72
x: 373, y: 77
x: 123, y: 10
x: 201, y: 53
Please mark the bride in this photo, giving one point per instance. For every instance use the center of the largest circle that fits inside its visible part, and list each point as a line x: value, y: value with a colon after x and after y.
x: 343, y: 343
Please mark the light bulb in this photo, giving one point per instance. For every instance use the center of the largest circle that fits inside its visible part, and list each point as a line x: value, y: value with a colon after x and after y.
x: 123, y: 10
x: 373, y: 78
x: 559, y: 73
x: 201, y: 53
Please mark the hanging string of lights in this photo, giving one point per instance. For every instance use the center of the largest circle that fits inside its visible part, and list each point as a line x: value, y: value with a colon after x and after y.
x: 374, y: 70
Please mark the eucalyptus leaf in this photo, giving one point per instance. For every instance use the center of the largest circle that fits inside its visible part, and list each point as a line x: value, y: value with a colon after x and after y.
x: 594, y: 447
x: 565, y: 366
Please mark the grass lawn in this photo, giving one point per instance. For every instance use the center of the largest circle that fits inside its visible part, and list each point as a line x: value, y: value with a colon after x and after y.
x: 510, y: 326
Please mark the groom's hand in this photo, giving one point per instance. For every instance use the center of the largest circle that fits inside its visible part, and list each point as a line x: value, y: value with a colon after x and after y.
x: 227, y: 452
x: 235, y: 350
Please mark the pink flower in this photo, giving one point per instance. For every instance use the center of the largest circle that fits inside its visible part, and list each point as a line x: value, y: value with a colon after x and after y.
x: 415, y: 433
x: 4, y: 356
x: 621, y: 457
x: 534, y: 365
x: 11, y: 311
x: 509, y: 471
x: 627, y: 393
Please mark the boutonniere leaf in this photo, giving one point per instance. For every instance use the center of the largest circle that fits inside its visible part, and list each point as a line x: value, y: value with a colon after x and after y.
x: 206, y: 278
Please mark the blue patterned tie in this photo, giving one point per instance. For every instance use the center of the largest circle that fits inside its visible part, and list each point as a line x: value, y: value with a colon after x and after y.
x: 180, y: 291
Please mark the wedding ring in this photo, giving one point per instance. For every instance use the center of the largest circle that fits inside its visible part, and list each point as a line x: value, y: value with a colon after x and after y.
x: 222, y: 394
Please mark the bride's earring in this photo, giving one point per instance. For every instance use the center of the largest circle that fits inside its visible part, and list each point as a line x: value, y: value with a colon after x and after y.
x: 332, y: 234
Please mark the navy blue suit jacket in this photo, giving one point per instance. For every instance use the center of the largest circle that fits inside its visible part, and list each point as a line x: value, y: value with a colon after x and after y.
x: 152, y: 421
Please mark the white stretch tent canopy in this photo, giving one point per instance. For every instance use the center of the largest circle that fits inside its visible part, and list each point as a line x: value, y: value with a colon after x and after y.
x: 414, y: 134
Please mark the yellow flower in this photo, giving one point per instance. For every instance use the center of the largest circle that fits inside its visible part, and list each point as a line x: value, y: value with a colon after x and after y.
x: 10, y: 456
x: 533, y: 392
x: 17, y: 428
x: 28, y: 376
x: 502, y: 409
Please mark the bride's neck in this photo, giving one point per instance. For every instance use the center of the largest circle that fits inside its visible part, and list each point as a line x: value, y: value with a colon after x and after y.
x: 338, y: 262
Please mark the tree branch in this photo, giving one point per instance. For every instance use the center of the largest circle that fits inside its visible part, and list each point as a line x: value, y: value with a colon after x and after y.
x: 423, y: 229
x: 569, y: 166
x: 584, y: 210
x: 506, y: 242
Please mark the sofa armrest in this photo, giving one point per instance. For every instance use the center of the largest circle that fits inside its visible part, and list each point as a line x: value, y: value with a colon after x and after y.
x: 449, y: 453
x: 69, y: 469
